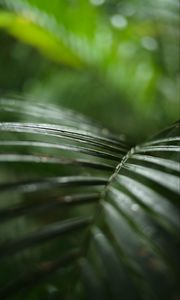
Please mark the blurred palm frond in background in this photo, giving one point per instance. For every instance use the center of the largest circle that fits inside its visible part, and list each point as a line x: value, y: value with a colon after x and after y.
x: 119, y: 52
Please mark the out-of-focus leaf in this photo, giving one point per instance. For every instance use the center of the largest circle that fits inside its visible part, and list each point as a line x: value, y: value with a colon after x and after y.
x: 35, y: 35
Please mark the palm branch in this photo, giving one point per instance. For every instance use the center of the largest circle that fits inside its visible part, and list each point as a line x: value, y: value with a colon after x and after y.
x: 84, y: 214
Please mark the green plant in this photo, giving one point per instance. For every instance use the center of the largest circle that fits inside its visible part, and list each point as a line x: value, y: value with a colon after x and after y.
x: 84, y: 214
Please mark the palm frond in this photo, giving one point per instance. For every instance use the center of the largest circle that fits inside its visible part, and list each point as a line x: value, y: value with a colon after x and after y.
x: 83, y: 213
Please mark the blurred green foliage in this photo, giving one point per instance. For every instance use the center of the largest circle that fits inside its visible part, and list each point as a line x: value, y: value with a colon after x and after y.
x: 118, y: 63
x: 115, y: 61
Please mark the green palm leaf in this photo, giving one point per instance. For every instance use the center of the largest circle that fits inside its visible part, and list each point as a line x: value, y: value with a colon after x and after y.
x: 83, y: 213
